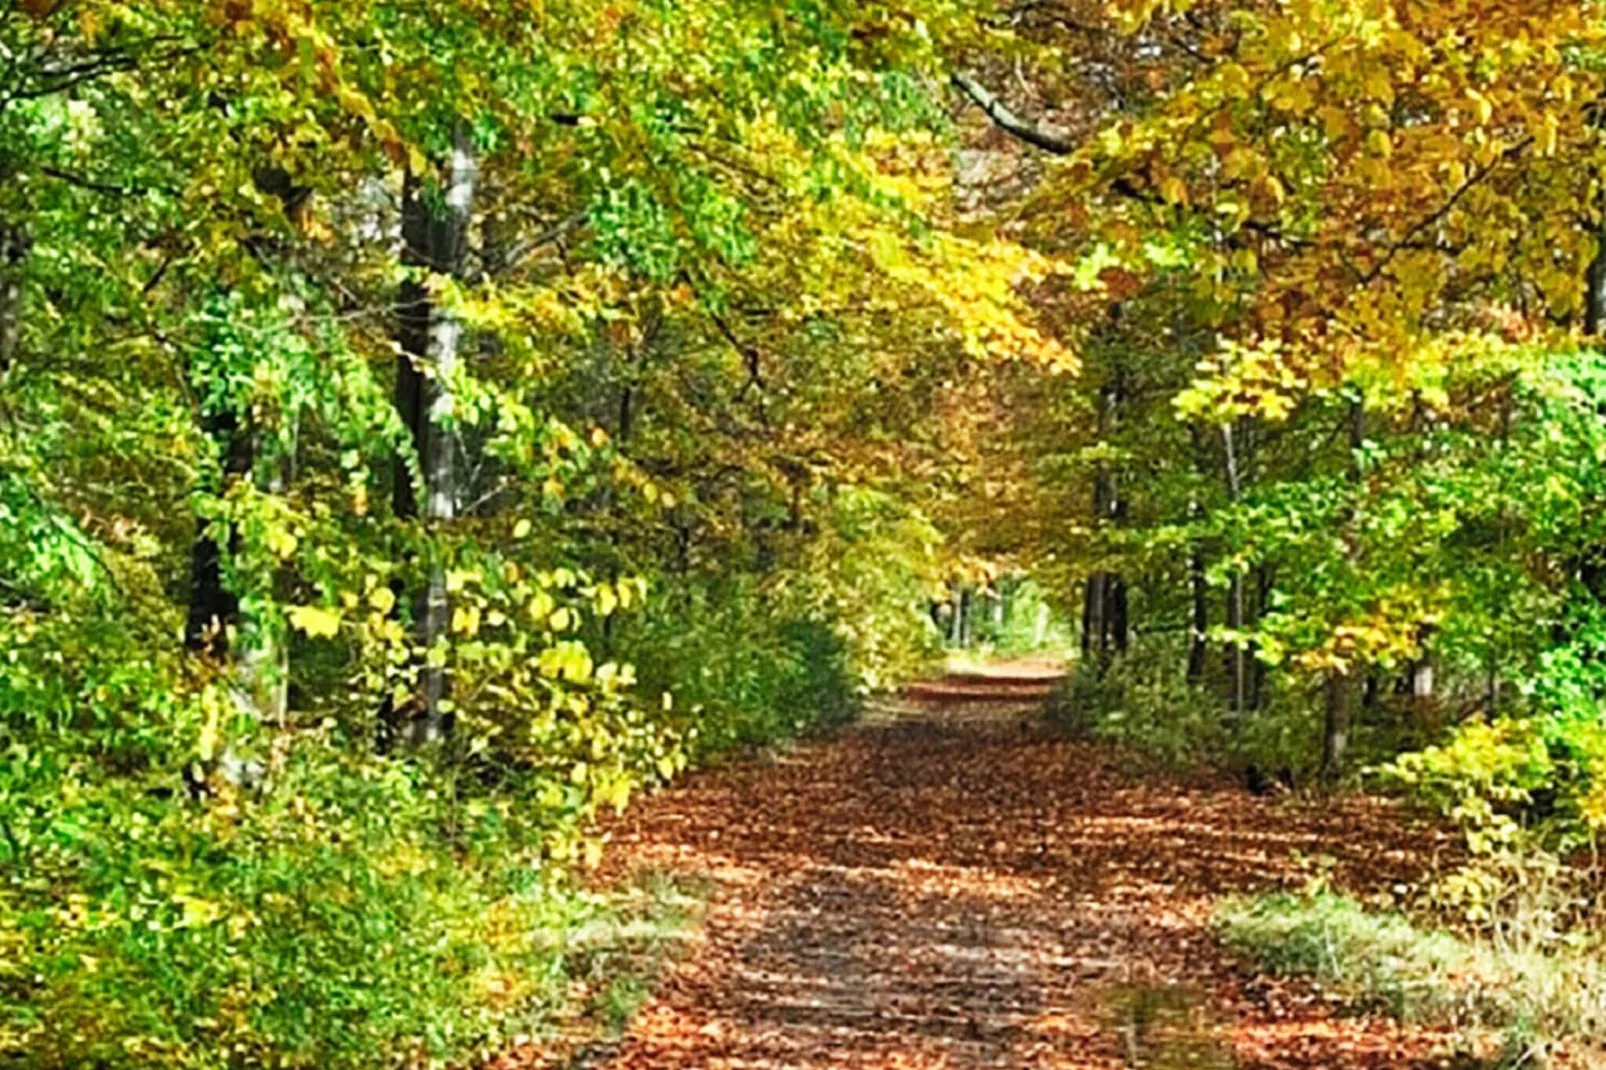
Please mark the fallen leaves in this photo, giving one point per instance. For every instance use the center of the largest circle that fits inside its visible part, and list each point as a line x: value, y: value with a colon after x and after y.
x: 956, y: 891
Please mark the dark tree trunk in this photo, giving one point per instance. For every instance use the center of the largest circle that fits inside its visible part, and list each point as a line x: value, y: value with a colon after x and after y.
x: 1116, y: 616
x: 1095, y: 603
x: 1595, y: 284
x: 1237, y: 654
x: 1104, y: 608
x: 261, y: 669
x: 1262, y: 604
x: 214, y: 609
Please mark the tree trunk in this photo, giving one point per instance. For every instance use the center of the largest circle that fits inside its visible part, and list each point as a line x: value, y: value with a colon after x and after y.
x: 1422, y: 681
x: 1104, y: 611
x: 1094, y: 604
x: 13, y: 254
x: 1237, y: 655
x: 214, y: 610
x: 1335, y: 731
x: 1595, y: 282
x: 1115, y: 618
x: 1197, y: 647
x: 1199, y: 629
x: 262, y: 667
x: 263, y: 672
x: 429, y: 338
x: 1261, y: 605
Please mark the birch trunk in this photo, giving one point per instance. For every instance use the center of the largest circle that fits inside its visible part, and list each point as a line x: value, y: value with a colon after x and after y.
x: 430, y: 339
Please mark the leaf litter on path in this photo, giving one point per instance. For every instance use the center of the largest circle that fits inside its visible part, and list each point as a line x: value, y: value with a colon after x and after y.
x: 950, y: 887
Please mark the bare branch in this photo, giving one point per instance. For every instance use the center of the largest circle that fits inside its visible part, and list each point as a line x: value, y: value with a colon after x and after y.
x: 1034, y: 134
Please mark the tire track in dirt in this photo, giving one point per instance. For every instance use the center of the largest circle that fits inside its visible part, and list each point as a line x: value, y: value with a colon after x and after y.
x: 951, y: 887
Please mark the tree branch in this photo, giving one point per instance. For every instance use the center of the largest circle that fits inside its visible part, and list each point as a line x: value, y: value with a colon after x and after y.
x: 755, y: 377
x: 1034, y: 134
x: 1432, y: 218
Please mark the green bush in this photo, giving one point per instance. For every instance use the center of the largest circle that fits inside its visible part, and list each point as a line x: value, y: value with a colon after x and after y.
x: 183, y: 887
x: 349, y: 916
x: 738, y: 674
x: 1143, y: 704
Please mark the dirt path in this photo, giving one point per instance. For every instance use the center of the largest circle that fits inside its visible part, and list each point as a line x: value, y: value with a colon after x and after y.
x: 947, y: 887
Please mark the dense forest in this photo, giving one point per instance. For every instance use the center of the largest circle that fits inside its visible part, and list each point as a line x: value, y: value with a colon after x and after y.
x: 426, y: 425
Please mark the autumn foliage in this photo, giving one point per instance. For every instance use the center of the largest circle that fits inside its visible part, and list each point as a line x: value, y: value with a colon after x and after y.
x: 428, y: 425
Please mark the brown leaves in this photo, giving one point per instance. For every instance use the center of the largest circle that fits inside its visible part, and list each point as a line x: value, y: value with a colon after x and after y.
x: 954, y: 891
x: 39, y: 9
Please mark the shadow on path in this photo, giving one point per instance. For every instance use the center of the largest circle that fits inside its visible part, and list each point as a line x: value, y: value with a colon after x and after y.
x: 950, y: 888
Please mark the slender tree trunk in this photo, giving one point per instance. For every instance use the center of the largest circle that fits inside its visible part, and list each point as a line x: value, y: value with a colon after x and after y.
x: 1337, y: 690
x: 262, y: 666
x: 429, y: 336
x: 1335, y: 733
x: 1237, y: 655
x: 1095, y: 602
x: 1116, y: 616
x: 214, y: 610
x: 1419, y: 682
x: 13, y: 254
x: 1200, y: 625
x: 1422, y: 680
x: 1595, y: 280
x: 1104, y: 610
x: 1261, y: 606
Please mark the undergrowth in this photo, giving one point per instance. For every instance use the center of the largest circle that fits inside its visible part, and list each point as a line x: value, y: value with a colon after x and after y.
x: 1540, y: 991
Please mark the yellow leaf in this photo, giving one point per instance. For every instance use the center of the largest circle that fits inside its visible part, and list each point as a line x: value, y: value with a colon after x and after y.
x: 282, y: 543
x: 315, y: 622
x: 560, y: 619
x: 466, y: 620
x: 383, y: 599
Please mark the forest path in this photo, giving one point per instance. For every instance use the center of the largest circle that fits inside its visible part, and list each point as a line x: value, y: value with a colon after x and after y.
x: 948, y: 886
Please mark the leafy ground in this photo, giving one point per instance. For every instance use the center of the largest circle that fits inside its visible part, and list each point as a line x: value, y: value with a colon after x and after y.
x: 947, y: 887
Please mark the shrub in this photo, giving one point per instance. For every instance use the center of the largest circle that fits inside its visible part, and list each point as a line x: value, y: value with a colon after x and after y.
x: 350, y: 916
x: 1142, y: 705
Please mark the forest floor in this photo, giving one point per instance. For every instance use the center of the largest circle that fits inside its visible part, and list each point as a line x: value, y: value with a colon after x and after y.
x: 947, y: 885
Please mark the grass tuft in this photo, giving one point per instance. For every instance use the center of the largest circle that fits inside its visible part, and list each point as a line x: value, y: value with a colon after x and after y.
x: 1541, y: 997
